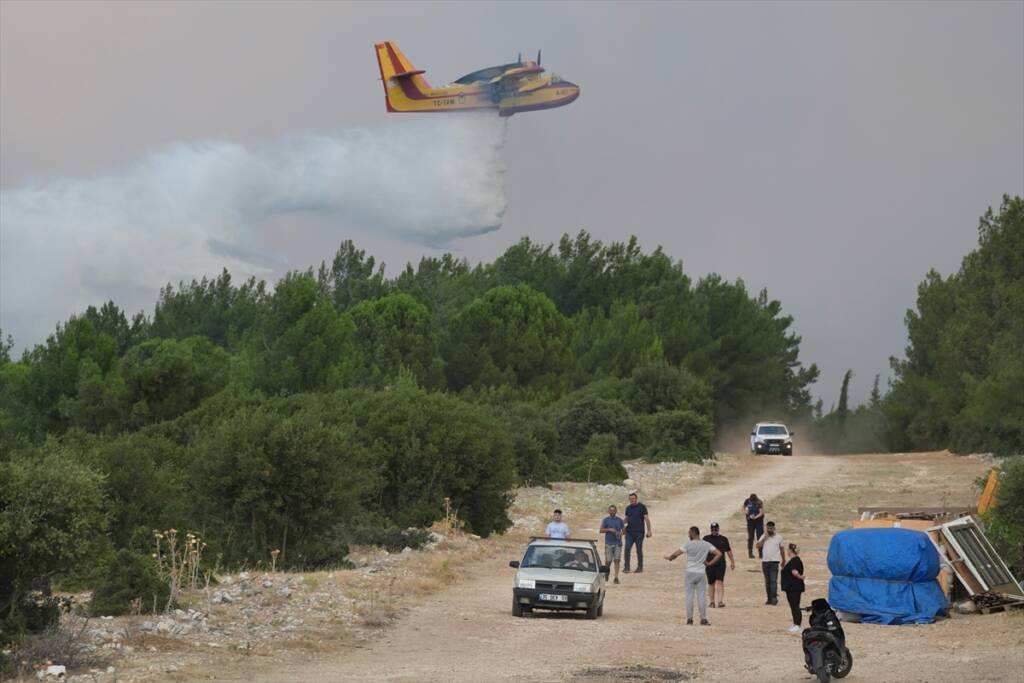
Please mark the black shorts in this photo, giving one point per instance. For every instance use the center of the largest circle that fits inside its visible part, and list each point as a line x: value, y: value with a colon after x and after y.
x: 716, y: 572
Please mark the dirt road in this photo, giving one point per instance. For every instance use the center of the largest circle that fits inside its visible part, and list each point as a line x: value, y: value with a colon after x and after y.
x: 467, y: 633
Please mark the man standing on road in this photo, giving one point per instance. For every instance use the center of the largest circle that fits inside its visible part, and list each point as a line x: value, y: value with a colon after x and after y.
x: 753, y: 510
x: 557, y: 528
x: 612, y: 527
x: 716, y: 570
x: 697, y: 552
x: 773, y: 554
x: 637, y: 521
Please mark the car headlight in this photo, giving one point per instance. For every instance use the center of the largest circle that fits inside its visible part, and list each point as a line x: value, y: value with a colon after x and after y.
x: 582, y: 588
x: 788, y: 444
x: 527, y: 583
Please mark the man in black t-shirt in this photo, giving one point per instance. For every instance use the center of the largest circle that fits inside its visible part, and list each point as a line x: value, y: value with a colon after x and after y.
x: 638, y: 526
x: 716, y: 570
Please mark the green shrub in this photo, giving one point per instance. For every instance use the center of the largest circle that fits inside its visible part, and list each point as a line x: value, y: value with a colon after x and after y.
x: 431, y: 447
x: 679, y: 435
x: 51, y: 520
x: 598, y: 462
x: 128, y: 576
x: 1006, y: 518
x: 656, y: 387
x: 588, y: 416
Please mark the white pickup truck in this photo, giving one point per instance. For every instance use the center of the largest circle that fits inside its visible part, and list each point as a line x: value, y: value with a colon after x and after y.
x: 768, y: 438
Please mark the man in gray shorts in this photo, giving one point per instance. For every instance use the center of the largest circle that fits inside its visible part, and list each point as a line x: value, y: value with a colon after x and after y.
x: 611, y: 527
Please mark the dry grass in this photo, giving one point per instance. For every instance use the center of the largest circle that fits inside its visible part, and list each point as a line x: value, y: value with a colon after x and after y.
x: 378, y: 608
x: 67, y: 644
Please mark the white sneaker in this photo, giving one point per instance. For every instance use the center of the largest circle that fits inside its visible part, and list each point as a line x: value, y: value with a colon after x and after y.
x: 794, y: 629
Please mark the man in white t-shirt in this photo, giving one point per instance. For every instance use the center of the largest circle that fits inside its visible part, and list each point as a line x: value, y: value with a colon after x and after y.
x: 557, y: 528
x: 773, y: 555
x: 695, y: 579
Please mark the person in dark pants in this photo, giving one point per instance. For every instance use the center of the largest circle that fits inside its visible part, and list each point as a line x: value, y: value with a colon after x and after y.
x: 773, y: 555
x: 638, y: 525
x: 716, y: 570
x: 753, y: 510
x: 793, y: 585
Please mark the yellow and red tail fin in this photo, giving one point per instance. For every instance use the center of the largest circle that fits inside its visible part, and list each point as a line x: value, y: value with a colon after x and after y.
x: 403, y: 83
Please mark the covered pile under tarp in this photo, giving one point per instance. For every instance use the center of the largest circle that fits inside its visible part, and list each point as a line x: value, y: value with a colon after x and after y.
x: 886, y: 575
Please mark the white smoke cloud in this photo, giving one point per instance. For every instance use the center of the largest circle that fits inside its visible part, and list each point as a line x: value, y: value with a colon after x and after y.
x: 190, y: 210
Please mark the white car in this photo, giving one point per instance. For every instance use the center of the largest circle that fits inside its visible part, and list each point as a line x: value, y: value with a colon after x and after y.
x: 769, y: 438
x: 560, y: 575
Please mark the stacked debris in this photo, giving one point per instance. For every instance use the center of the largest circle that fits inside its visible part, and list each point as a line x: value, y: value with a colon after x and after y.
x: 885, y: 576
x: 981, y: 574
x: 972, y: 575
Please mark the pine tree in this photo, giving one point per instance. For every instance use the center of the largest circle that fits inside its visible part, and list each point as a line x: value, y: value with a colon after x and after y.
x: 876, y: 396
x: 843, y: 410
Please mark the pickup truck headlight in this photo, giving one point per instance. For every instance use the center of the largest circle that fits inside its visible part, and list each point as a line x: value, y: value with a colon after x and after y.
x: 527, y: 583
x: 582, y: 588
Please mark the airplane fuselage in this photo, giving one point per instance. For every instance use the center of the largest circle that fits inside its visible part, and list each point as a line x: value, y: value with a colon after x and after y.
x: 407, y: 91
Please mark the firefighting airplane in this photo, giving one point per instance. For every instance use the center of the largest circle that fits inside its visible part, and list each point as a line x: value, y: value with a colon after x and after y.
x: 510, y: 88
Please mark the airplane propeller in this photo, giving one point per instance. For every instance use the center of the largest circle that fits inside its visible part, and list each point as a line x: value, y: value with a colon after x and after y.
x: 519, y: 59
x: 538, y: 57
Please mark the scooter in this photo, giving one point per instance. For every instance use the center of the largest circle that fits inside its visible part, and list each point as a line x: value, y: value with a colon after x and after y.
x: 825, y: 653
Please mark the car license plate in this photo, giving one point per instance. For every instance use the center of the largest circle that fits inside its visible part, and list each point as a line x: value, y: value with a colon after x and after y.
x: 554, y: 598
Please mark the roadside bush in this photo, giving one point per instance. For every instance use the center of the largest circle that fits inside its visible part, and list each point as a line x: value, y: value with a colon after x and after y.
x: 598, y: 462
x: 588, y: 416
x: 66, y: 642
x: 1006, y: 519
x: 127, y: 576
x: 277, y: 476
x: 51, y: 521
x: 431, y: 447
x: 679, y: 435
x: 534, y: 440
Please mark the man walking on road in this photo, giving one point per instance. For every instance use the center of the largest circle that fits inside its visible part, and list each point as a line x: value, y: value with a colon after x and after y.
x: 557, y: 528
x: 716, y: 570
x: 753, y: 510
x: 612, y: 527
x: 773, y: 554
x: 637, y: 521
x: 694, y: 581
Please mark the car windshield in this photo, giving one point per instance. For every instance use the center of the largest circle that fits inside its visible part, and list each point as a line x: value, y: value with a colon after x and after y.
x: 773, y: 430
x: 554, y: 557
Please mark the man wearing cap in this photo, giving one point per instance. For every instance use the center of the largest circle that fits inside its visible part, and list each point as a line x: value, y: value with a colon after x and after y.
x: 716, y: 570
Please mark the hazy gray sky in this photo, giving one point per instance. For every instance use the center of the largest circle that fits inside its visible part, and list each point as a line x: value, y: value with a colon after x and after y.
x: 831, y: 152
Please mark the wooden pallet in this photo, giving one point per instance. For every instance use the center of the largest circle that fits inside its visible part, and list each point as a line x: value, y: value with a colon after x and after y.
x: 996, y: 609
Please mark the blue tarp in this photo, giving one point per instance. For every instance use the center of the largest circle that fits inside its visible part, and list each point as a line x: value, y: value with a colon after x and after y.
x: 887, y: 575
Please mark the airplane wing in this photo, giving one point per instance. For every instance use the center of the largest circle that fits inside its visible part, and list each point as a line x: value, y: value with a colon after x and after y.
x: 513, y: 79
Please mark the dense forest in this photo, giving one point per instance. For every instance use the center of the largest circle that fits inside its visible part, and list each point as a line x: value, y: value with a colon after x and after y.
x: 341, y: 405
